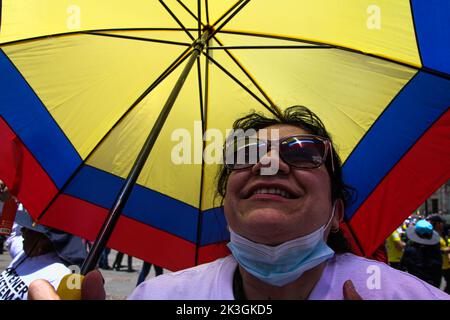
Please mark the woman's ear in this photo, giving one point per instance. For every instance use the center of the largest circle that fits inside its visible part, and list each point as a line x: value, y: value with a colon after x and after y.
x: 339, y: 210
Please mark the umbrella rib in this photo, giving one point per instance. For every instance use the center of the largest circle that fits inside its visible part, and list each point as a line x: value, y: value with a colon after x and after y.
x: 226, y: 12
x: 162, y: 76
x: 206, y: 97
x: 207, y: 12
x: 229, y: 18
x: 405, y: 64
x: 248, y: 75
x: 191, y: 13
x: 240, y: 84
x: 199, y: 74
x: 177, y: 20
x: 188, y: 10
x: 273, y: 36
x: 272, y: 47
x: 199, y: 19
x: 138, y: 38
x: 88, y: 31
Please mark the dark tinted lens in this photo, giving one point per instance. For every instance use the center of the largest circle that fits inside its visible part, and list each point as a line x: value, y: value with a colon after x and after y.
x: 303, y: 152
x: 243, y: 153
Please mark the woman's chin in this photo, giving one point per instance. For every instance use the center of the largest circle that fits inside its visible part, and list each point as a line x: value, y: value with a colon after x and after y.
x: 268, y: 226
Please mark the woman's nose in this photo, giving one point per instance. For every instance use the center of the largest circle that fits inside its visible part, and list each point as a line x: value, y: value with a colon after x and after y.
x: 271, y: 164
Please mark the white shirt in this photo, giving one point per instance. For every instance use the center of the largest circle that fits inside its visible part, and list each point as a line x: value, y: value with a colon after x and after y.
x: 14, y: 243
x: 373, y: 280
x: 23, y: 270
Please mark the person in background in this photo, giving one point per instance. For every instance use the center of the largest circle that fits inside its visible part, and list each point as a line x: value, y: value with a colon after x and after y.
x: 145, y: 271
x: 47, y: 254
x: 394, y: 247
x: 14, y: 243
x: 117, y: 265
x: 438, y: 224
x: 4, y: 195
x: 2, y: 242
x: 422, y: 255
x: 103, y: 262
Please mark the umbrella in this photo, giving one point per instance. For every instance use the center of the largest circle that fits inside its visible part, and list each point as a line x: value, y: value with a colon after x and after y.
x: 85, y: 84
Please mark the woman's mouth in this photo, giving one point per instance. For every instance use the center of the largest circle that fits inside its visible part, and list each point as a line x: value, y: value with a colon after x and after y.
x: 272, y: 191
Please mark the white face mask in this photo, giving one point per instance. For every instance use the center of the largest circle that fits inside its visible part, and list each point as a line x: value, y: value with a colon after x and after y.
x: 285, y: 263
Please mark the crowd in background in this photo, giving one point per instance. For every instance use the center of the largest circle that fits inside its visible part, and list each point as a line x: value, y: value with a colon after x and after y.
x: 420, y: 246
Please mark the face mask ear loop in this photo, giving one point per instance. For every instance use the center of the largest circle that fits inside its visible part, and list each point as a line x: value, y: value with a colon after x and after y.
x: 331, y: 218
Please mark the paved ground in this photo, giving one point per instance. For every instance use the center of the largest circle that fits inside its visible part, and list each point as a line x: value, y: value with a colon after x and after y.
x: 118, y: 284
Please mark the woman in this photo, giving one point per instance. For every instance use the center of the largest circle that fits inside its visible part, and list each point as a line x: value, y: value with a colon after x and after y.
x: 284, y: 205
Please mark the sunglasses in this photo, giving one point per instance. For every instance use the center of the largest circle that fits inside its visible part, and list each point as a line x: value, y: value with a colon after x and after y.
x: 299, y: 151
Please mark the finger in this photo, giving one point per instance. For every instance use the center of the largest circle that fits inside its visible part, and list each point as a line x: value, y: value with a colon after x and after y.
x: 350, y: 292
x: 93, y: 286
x: 41, y: 290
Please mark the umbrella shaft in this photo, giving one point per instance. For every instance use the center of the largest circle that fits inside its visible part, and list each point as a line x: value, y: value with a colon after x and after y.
x: 113, y: 216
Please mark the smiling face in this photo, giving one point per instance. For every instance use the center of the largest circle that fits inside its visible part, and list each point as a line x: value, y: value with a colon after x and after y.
x: 272, y: 209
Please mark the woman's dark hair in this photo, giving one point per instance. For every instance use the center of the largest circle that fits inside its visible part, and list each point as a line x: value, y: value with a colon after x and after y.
x: 301, y: 117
